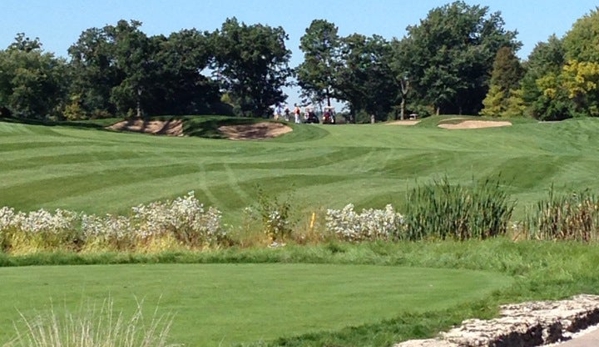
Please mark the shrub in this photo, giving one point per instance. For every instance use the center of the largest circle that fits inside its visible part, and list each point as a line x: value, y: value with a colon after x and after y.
x: 183, y: 222
x: 564, y: 217
x: 275, y: 216
x: 184, y: 218
x: 444, y: 211
x: 38, y: 230
x: 370, y: 224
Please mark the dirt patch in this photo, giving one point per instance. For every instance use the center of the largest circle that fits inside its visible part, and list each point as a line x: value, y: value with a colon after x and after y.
x: 404, y: 122
x: 475, y: 124
x: 257, y: 131
x: 156, y: 127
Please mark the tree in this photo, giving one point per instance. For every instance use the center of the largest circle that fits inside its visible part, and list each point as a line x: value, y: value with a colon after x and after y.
x: 581, y: 82
x: 180, y: 85
x: 321, y: 46
x: 252, y: 64
x: 544, y: 62
x: 581, y: 42
x: 120, y: 70
x: 562, y: 75
x: 364, y: 75
x: 516, y: 107
x: 449, y: 56
x: 495, y: 102
x: 32, y: 82
x: 95, y: 73
x: 505, y: 80
x: 133, y: 58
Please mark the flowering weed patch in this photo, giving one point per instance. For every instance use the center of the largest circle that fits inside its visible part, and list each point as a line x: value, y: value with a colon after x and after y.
x: 183, y: 222
x: 369, y: 225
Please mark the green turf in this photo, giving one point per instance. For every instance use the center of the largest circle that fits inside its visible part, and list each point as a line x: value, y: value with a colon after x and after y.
x: 324, y: 166
x: 220, y: 304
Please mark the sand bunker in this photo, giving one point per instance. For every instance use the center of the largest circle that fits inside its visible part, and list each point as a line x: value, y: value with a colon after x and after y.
x: 157, y: 127
x: 475, y: 124
x: 263, y: 130
x: 404, y: 122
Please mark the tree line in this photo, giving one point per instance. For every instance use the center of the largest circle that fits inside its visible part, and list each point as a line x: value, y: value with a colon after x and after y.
x: 459, y: 59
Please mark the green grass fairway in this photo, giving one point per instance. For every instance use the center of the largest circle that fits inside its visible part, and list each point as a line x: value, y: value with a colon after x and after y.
x: 325, y: 166
x: 220, y: 304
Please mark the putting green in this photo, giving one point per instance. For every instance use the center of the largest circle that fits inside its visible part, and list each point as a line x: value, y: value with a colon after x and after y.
x: 221, y: 304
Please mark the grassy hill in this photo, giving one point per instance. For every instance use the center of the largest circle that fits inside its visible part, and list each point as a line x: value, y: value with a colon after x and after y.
x: 88, y: 169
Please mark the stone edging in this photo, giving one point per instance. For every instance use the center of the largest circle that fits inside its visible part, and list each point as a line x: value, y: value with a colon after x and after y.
x: 527, y: 324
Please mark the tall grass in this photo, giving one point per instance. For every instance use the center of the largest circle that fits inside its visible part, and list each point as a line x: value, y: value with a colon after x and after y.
x: 92, y: 327
x: 441, y: 210
x: 572, y: 216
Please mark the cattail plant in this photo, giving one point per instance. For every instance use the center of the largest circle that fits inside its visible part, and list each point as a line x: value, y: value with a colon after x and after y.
x: 444, y: 211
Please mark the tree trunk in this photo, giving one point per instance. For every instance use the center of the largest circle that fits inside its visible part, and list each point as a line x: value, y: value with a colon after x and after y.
x: 138, y: 103
x: 403, y: 109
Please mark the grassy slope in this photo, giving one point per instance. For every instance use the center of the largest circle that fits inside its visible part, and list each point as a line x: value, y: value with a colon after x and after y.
x: 219, y: 304
x: 541, y: 270
x: 325, y: 166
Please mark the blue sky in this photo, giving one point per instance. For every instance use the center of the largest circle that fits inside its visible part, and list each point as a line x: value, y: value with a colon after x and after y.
x: 59, y: 23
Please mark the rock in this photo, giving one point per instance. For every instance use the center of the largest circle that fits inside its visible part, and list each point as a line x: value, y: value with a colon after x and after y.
x: 524, y: 325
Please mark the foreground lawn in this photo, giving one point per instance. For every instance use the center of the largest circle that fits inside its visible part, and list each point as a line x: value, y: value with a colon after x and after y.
x: 319, y: 166
x: 221, y: 304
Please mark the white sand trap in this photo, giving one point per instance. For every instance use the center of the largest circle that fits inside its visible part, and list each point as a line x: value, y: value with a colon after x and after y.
x: 404, y: 122
x: 475, y: 124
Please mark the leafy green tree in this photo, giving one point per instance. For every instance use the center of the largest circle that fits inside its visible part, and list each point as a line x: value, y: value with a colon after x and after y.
x: 450, y: 54
x: 544, y: 64
x: 581, y: 71
x: 364, y: 77
x: 252, y: 64
x: 94, y: 72
x: 507, y: 70
x: 317, y: 73
x: 25, y: 44
x: 180, y: 86
x: 495, y: 102
x: 133, y: 57
x: 33, y: 83
x: 516, y: 107
x: 119, y: 70
x: 505, y: 80
x: 581, y: 42
x: 562, y: 75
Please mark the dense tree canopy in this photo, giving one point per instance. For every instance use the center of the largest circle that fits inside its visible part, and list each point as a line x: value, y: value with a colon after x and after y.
x: 449, y: 55
x: 317, y: 75
x: 252, y: 64
x: 458, y: 59
x: 504, y: 96
x: 32, y: 82
x: 364, y: 77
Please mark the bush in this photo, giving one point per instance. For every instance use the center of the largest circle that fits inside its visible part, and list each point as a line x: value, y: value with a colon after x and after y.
x: 564, y: 217
x: 183, y: 222
x: 38, y: 230
x: 369, y: 225
x: 444, y: 211
x: 275, y: 216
